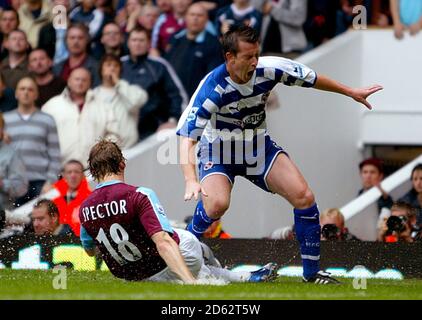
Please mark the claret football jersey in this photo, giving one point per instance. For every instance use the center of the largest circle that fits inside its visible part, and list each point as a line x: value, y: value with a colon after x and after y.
x: 120, y: 219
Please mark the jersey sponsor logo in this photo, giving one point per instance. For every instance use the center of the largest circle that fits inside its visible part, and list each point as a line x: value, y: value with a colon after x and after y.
x: 254, y: 119
x: 208, y: 165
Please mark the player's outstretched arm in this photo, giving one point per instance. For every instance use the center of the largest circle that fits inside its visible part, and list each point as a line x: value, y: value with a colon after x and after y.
x: 187, y: 159
x: 169, y: 251
x: 358, y: 94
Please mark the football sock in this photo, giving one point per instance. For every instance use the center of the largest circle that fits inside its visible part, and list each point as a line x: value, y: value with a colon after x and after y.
x: 308, y: 233
x: 200, y: 221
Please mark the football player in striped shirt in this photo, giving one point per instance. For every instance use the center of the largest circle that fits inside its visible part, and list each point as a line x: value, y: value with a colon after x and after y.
x: 226, y: 115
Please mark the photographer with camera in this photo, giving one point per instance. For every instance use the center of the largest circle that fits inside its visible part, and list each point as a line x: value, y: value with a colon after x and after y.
x: 401, y: 225
x: 333, y: 228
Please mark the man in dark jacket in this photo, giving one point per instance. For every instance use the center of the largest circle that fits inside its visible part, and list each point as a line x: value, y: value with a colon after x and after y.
x: 77, y: 41
x: 194, y: 47
x: 157, y: 77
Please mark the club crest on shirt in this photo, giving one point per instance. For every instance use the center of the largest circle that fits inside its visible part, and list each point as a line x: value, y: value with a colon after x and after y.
x: 208, y: 165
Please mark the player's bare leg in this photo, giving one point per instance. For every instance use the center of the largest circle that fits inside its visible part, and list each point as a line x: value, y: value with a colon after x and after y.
x: 213, y: 206
x: 286, y: 180
x: 218, y: 188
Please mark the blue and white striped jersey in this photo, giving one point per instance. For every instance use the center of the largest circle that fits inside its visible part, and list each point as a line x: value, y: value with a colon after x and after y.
x: 220, y: 106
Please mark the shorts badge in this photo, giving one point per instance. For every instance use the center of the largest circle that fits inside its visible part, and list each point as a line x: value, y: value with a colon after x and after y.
x: 208, y: 165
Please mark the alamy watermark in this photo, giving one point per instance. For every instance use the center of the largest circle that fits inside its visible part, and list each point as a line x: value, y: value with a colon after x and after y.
x: 360, y: 282
x: 360, y: 21
x: 59, y: 17
x: 60, y: 281
x: 245, y: 147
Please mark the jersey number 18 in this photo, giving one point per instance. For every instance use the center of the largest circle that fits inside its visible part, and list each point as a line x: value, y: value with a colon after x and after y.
x: 127, y: 250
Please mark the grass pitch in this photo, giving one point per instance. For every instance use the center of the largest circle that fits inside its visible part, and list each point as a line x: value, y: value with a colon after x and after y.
x: 17, y: 284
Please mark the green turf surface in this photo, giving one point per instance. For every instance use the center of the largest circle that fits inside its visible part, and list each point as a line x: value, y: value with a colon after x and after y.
x: 102, y: 285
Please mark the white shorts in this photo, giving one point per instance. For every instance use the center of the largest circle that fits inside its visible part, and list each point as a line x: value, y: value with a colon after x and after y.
x: 191, y: 250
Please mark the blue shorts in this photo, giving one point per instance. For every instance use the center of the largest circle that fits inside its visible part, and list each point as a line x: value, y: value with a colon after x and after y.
x: 208, y: 166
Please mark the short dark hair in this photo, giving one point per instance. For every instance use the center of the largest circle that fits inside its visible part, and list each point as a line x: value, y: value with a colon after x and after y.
x: 418, y: 167
x: 105, y: 158
x: 139, y: 28
x: 73, y: 161
x: 12, y: 10
x: 374, y: 162
x: 80, y: 26
x: 106, y: 58
x: 230, y: 40
x: 51, y: 207
x: 40, y: 49
x: 402, y: 205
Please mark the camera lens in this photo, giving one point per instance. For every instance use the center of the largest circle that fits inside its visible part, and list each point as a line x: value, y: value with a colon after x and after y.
x: 396, y: 223
x: 330, y: 231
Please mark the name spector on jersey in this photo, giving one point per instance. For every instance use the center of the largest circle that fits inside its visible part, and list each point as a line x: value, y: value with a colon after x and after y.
x: 120, y: 219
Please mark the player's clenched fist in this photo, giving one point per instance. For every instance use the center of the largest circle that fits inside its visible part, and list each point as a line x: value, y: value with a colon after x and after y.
x: 193, y: 188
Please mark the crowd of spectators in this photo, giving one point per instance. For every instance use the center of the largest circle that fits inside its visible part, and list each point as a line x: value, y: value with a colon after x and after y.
x: 126, y: 69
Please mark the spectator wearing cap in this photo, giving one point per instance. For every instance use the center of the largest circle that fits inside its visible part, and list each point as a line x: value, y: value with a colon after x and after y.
x: 196, y: 47
x: 372, y: 173
x: 414, y: 196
